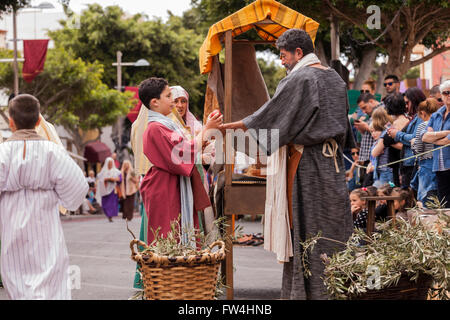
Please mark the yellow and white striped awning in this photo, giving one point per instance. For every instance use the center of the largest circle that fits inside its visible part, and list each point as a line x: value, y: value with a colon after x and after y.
x: 269, y: 18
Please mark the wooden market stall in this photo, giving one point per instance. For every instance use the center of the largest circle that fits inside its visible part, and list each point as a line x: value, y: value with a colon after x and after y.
x: 269, y: 19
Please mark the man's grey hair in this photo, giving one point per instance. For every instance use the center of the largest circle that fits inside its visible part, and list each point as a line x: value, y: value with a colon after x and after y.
x: 295, y: 38
x: 434, y: 90
x: 445, y: 85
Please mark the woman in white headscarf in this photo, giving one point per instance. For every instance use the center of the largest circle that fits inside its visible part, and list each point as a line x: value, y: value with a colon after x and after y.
x: 108, y: 179
x: 181, y: 99
x: 129, y: 186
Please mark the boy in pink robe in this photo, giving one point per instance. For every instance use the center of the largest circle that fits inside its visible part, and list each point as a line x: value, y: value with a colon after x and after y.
x: 160, y: 188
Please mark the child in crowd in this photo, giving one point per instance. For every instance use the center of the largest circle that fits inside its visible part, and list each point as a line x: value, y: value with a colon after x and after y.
x: 381, y: 211
x: 424, y: 181
x: 380, y: 153
x: 353, y: 174
x: 36, y: 176
x: 371, y: 191
x: 359, y: 207
x: 406, y: 202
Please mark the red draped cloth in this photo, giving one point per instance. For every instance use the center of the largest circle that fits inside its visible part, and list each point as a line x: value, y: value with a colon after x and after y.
x: 133, y: 114
x: 34, y: 52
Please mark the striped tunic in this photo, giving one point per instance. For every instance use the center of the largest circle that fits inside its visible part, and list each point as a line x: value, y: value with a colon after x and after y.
x: 35, y: 177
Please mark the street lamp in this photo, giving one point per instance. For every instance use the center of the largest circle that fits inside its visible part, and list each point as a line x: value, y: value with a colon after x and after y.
x: 119, y: 64
x: 117, y: 131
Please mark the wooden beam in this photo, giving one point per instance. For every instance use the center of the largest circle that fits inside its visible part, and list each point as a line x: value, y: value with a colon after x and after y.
x: 237, y: 200
x: 253, y: 41
x: 229, y: 154
x: 228, y: 159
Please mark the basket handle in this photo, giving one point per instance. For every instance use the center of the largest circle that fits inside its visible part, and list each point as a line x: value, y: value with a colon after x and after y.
x: 135, y: 242
x: 219, y: 243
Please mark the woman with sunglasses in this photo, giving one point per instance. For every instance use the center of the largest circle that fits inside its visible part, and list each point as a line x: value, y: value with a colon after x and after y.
x: 439, y: 134
x: 413, y: 97
x: 435, y: 92
x: 368, y: 87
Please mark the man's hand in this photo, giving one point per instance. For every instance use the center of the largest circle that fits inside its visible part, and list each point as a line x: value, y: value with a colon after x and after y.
x: 392, y: 132
x: 361, y: 126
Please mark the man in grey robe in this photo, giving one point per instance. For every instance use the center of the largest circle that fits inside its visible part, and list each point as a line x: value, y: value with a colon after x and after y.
x: 309, y: 108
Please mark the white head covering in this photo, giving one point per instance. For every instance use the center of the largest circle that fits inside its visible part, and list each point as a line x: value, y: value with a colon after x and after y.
x: 105, y: 173
x: 194, y: 125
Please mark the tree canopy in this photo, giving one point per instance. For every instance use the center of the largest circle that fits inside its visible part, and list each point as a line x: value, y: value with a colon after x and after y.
x: 10, y: 5
x: 404, y: 23
x: 170, y: 48
x: 71, y: 93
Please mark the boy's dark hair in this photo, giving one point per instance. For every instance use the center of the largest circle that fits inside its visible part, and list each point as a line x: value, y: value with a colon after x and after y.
x: 393, y: 77
x: 366, y: 97
x: 395, y: 104
x: 24, y: 110
x: 295, y: 38
x: 151, y: 88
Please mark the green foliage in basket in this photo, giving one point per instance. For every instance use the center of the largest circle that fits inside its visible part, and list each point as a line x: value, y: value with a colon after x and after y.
x: 171, y: 245
x: 403, y: 248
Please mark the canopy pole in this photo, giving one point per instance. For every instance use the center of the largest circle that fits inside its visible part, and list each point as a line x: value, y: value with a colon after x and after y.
x: 229, y: 158
x: 228, y: 101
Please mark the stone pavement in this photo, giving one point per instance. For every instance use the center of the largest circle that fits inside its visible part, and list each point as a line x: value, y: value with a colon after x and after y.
x: 101, y: 251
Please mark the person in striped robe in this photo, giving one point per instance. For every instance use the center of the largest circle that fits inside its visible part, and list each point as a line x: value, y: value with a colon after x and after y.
x: 36, y: 176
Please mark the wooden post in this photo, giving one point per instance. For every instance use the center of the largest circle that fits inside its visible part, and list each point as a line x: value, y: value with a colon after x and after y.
x: 371, y: 217
x: 228, y: 156
x: 391, y: 210
x: 372, y: 202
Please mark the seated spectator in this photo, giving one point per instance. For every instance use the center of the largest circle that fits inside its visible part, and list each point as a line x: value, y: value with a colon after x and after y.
x: 359, y: 208
x: 381, y: 211
x: 91, y: 177
x: 90, y: 205
x: 407, y: 201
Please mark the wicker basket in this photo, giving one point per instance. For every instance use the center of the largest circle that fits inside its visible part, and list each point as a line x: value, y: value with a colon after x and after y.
x: 179, y: 278
x: 404, y: 290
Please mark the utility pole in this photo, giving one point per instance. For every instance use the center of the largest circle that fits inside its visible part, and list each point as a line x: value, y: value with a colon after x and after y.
x: 15, y: 65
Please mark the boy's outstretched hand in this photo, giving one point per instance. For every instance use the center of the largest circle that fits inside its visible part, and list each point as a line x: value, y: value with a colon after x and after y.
x: 215, y: 120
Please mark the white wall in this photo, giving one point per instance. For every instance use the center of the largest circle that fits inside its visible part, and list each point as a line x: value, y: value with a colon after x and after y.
x: 31, y: 24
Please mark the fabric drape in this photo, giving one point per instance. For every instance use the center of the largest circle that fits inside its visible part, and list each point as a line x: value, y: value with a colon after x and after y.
x: 34, y: 52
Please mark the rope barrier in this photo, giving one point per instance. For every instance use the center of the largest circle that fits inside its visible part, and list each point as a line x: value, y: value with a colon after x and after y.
x: 401, y: 160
